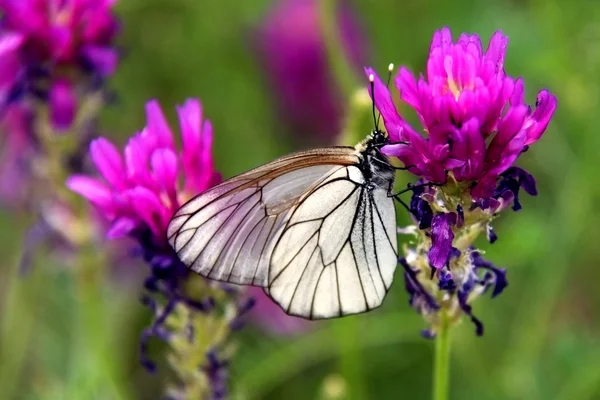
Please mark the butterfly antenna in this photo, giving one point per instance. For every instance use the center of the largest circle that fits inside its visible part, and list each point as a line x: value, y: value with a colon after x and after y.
x: 372, y: 83
x: 387, y: 84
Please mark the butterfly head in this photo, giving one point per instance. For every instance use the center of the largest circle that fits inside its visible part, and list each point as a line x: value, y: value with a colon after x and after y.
x: 378, y: 138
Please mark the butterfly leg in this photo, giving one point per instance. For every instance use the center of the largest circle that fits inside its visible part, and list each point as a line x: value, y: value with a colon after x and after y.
x: 405, y: 168
x: 398, y: 199
x: 412, y: 187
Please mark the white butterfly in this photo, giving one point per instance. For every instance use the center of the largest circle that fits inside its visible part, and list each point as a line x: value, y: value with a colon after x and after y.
x: 316, y: 229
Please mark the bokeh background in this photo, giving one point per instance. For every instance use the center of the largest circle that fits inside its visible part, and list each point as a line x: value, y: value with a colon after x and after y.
x: 542, y: 338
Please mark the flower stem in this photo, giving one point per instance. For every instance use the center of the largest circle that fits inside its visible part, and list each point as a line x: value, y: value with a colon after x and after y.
x: 334, y: 48
x: 441, y: 366
x: 359, y: 106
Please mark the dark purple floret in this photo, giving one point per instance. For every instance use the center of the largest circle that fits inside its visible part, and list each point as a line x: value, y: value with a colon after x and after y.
x: 494, y: 276
x: 446, y: 281
x: 462, y: 301
x: 491, y: 234
x: 420, y: 208
x: 428, y: 334
x: 217, y: 372
x: 441, y: 239
x: 461, y: 216
x: 157, y: 329
x: 419, y: 299
x: 512, y: 180
x: 488, y: 203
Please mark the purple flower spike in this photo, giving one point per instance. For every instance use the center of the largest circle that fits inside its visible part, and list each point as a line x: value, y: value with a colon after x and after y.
x: 475, y: 116
x: 441, y: 239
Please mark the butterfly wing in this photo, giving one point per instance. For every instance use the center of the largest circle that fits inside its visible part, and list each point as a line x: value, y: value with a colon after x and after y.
x: 338, y: 251
x: 228, y: 232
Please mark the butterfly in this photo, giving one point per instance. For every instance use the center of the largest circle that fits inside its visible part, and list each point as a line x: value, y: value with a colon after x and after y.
x: 316, y: 229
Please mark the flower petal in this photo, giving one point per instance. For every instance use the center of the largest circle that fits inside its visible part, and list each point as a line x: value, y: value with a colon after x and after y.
x: 121, y: 227
x: 190, y: 117
x: 92, y: 189
x: 157, y: 125
x: 164, y: 170
x: 150, y: 209
x: 109, y: 162
x: 545, y: 106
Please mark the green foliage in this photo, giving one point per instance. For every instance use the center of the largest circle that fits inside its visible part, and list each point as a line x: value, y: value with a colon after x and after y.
x: 542, y: 337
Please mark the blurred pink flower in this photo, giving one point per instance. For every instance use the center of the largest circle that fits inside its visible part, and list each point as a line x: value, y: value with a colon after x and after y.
x: 292, y: 51
x: 270, y: 316
x: 140, y: 188
x: 63, y: 32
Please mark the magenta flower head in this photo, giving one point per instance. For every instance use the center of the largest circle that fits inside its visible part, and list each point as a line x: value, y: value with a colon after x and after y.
x: 476, y: 124
x: 475, y: 116
x: 140, y: 189
x: 64, y: 43
x: 291, y: 47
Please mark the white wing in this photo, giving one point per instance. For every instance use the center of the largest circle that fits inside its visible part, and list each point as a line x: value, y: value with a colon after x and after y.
x: 228, y: 232
x: 338, y: 252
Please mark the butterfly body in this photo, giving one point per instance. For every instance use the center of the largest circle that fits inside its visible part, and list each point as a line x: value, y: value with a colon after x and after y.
x: 374, y: 164
x: 315, y: 229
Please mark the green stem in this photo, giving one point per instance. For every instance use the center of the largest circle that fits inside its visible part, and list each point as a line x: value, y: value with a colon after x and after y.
x: 441, y: 365
x: 334, y: 48
x: 353, y: 131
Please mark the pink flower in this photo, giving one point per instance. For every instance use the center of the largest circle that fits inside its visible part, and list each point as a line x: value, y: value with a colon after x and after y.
x: 143, y: 186
x: 269, y: 315
x: 475, y: 116
x: 292, y: 51
x: 62, y: 31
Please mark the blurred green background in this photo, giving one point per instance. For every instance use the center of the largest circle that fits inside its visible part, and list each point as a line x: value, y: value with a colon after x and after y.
x: 542, y: 337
